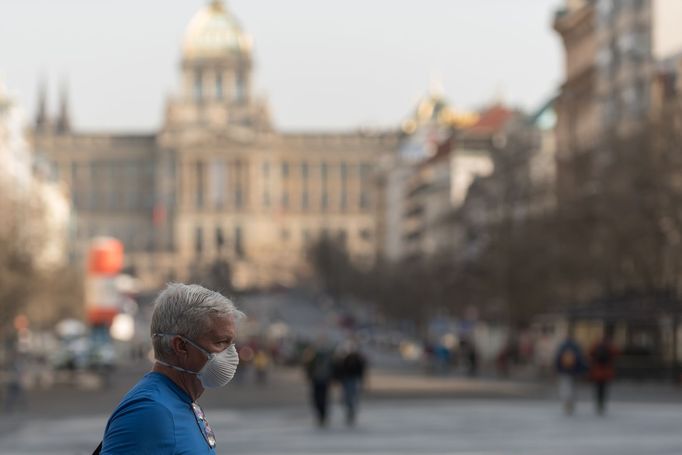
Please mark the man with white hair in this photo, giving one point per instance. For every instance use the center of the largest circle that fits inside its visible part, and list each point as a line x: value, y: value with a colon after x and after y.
x: 193, y: 331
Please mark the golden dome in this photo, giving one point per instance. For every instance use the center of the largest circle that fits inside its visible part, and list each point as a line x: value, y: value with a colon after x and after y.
x: 434, y: 109
x: 214, y: 32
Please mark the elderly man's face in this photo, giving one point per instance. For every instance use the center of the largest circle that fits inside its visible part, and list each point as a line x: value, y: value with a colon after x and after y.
x: 222, y: 332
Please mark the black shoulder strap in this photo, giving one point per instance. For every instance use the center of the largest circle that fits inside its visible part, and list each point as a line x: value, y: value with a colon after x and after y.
x: 98, y: 449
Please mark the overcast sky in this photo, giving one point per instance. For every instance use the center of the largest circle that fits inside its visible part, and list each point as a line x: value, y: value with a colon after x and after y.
x: 322, y: 64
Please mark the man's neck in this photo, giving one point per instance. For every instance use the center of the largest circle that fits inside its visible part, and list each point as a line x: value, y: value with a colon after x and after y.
x: 188, y: 383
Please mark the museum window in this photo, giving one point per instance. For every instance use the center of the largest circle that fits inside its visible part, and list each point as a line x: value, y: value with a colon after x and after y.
x: 219, y: 238
x: 344, y: 172
x: 198, y: 85
x: 199, y: 194
x: 364, y: 198
x: 344, y: 187
x: 219, y: 86
x: 238, y: 242
x: 198, y: 241
x: 324, y: 174
x: 324, y: 202
x: 240, y: 87
x: 366, y: 235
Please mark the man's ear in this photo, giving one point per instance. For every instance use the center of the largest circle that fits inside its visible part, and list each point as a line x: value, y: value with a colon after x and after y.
x: 179, y: 346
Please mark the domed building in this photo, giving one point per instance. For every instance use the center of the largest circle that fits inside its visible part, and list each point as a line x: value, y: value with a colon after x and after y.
x: 216, y: 69
x: 218, y: 187
x: 214, y: 33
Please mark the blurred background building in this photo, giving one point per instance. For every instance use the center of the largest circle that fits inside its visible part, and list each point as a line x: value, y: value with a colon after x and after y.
x: 218, y: 195
x: 218, y: 183
x: 613, y: 53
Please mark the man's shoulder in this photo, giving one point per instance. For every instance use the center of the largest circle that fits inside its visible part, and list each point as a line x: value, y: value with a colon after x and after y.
x: 152, y: 391
x: 142, y: 423
x: 144, y: 405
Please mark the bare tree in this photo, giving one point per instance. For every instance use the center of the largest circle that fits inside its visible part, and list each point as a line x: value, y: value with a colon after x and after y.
x: 20, y: 240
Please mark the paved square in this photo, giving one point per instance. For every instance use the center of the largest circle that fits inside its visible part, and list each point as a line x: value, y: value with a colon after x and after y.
x: 461, y: 427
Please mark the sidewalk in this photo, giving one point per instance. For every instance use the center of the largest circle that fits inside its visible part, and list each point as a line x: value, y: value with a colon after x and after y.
x: 382, y: 384
x: 405, y: 385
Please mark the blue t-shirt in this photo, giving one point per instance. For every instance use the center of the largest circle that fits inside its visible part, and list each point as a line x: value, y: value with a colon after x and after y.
x: 155, y: 417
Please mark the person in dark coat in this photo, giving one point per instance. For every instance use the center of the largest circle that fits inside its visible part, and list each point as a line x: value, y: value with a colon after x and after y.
x: 318, y: 361
x: 467, y: 350
x: 602, y: 370
x: 349, y: 369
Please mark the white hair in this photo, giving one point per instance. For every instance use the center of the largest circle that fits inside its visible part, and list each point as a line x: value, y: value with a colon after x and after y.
x: 186, y: 309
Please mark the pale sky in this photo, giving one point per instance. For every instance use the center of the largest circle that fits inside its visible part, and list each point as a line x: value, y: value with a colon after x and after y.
x: 322, y: 64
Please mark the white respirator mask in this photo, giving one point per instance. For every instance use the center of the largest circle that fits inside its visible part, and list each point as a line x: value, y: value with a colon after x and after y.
x: 218, y: 370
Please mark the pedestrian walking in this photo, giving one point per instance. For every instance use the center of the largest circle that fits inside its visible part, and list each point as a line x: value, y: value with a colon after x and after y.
x: 318, y: 361
x: 193, y: 331
x: 602, y: 370
x: 15, y: 395
x: 261, y: 364
x: 570, y: 364
x: 469, y: 355
x: 349, y: 369
x: 507, y: 357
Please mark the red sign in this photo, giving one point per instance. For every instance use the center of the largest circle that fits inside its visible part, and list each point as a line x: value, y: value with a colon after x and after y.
x: 105, y: 257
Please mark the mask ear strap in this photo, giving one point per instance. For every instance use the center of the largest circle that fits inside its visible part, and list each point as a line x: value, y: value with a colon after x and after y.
x: 187, y: 340
x: 176, y: 367
x: 203, y: 351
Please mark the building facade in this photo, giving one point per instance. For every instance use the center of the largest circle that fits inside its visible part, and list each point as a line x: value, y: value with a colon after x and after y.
x: 577, y: 129
x: 440, y: 182
x: 217, y: 182
x: 613, y: 54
